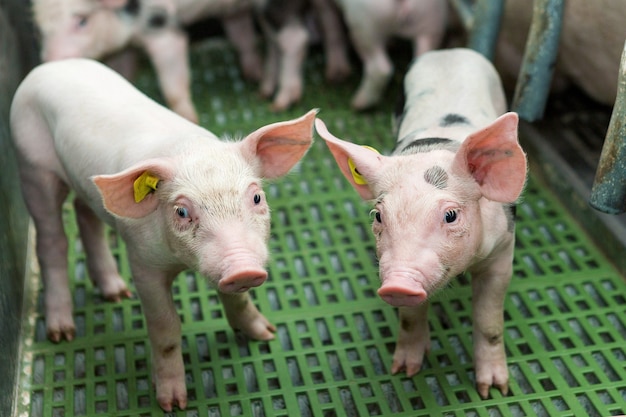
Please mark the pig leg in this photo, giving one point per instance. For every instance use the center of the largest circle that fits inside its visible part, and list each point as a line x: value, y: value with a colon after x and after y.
x: 270, y: 72
x: 44, y: 194
x: 488, y: 293
x: 124, y: 62
x: 154, y: 288
x: 100, y: 262
x: 377, y: 70
x: 239, y: 29
x: 425, y: 43
x: 335, y: 45
x: 168, y: 52
x: 292, y: 44
x: 413, y: 339
x: 243, y: 315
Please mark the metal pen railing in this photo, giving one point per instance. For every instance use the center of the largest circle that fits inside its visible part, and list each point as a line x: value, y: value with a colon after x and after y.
x: 482, y: 19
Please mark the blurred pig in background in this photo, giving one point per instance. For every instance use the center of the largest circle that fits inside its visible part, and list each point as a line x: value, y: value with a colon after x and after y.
x: 179, y: 197
x: 371, y: 23
x: 591, y: 44
x: 287, y: 36
x: 442, y: 202
x: 99, y: 28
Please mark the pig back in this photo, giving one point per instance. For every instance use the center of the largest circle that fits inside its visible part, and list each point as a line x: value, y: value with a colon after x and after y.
x: 88, y: 121
x: 449, y: 93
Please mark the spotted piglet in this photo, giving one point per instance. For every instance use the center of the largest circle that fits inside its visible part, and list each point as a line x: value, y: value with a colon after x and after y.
x: 443, y: 202
x: 179, y: 197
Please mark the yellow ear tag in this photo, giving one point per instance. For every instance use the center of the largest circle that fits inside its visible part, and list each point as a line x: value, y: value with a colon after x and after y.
x: 144, y: 185
x: 358, y: 178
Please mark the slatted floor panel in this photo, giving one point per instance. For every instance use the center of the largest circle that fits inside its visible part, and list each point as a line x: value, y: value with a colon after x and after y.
x: 565, y: 311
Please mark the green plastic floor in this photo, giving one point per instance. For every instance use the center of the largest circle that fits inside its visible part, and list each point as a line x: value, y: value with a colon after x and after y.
x: 565, y: 311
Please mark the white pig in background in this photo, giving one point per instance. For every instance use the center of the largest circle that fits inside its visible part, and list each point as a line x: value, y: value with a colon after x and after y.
x: 443, y: 202
x: 372, y: 23
x: 283, y: 23
x: 178, y: 196
x: 591, y: 44
x: 97, y: 28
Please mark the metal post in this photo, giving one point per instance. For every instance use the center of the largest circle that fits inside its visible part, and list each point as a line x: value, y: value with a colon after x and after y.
x: 533, y: 83
x: 608, y: 193
x: 464, y: 11
x: 485, y: 26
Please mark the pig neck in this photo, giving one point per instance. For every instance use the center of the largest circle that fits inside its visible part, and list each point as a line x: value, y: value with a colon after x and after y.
x: 146, y: 242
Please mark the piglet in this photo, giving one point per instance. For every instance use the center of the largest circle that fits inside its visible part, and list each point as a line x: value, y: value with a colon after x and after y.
x: 372, y: 23
x: 443, y: 202
x: 179, y: 197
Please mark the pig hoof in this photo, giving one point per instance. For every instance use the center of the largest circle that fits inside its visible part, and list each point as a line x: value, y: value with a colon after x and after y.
x: 363, y: 104
x: 253, y: 324
x: 115, y: 290
x: 338, y: 73
x: 60, y: 323
x: 259, y: 329
x: 252, y: 72
x: 169, y: 397
x: 286, y: 97
x: 281, y: 104
x: 58, y: 334
x: 483, y: 388
x: 266, y: 91
x: 411, y: 368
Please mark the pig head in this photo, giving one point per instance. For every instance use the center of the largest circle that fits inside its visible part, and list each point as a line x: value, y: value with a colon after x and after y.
x: 442, y: 202
x: 433, y: 213
x: 74, y: 28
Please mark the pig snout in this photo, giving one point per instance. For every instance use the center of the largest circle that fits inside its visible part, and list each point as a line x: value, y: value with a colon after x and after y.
x: 242, y: 279
x: 241, y: 269
x: 402, y: 290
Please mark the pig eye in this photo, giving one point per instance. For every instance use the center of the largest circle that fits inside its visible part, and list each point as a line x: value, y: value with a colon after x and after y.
x: 378, y: 217
x: 182, y: 212
x: 257, y: 198
x: 81, y: 21
x: 450, y: 216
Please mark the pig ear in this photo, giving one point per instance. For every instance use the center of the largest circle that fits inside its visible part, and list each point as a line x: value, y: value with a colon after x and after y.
x: 495, y: 159
x: 279, y: 146
x: 365, y: 162
x: 130, y: 193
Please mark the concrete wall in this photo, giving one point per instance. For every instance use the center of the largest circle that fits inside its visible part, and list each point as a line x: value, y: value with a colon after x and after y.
x: 17, y: 56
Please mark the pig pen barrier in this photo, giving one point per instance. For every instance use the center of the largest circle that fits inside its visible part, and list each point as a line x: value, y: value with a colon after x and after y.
x: 565, y: 313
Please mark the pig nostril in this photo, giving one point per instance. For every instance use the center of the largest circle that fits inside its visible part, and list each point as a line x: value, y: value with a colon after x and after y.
x: 401, y: 296
x: 403, y: 300
x: 241, y: 282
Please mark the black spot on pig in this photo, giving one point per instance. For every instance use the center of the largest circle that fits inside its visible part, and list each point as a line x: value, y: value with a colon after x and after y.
x: 437, y: 177
x: 510, y: 210
x: 157, y: 19
x: 453, y: 119
x: 406, y: 146
x: 132, y: 7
